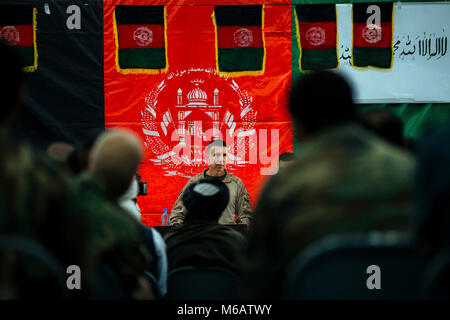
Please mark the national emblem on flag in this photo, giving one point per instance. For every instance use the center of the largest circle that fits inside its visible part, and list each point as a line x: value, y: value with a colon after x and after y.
x: 239, y: 39
x: 140, y: 32
x: 317, y: 36
x: 18, y: 29
x: 372, y: 34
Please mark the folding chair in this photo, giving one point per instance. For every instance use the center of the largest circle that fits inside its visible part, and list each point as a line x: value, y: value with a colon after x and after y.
x: 352, y: 267
x: 206, y: 283
x: 36, y: 273
x: 436, y: 282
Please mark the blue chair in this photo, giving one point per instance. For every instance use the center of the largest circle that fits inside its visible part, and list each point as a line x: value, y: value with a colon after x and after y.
x: 35, y: 272
x: 107, y: 284
x: 157, y: 295
x: 338, y: 268
x: 206, y: 283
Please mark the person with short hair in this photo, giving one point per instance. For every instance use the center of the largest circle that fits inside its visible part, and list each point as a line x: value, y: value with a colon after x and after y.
x: 239, y: 209
x: 201, y: 241
x: 116, y: 237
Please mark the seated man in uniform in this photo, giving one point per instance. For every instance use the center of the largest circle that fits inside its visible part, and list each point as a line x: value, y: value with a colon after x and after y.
x: 346, y: 180
x: 239, y: 198
x: 116, y: 238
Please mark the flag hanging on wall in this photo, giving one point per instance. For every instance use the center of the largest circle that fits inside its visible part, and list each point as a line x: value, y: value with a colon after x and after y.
x: 240, y: 39
x: 18, y: 29
x: 317, y: 36
x: 140, y: 38
x: 179, y: 112
x: 372, y: 34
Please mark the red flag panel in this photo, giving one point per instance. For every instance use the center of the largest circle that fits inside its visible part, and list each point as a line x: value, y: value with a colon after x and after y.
x: 318, y: 35
x: 371, y: 35
x: 249, y: 112
x: 140, y: 36
x: 18, y: 36
x: 239, y: 36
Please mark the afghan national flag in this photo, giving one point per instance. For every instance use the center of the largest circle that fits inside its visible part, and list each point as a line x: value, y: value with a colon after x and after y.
x: 317, y: 32
x: 18, y: 29
x: 239, y: 39
x: 372, y: 34
x: 140, y: 38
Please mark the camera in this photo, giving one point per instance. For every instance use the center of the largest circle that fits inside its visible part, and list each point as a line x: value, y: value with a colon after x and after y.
x: 142, y: 186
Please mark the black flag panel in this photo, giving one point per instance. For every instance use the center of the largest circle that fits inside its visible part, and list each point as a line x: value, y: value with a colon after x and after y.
x: 64, y: 101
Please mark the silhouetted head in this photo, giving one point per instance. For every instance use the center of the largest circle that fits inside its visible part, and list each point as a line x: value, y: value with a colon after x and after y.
x: 205, y: 200
x: 385, y: 124
x: 114, y: 160
x: 432, y: 191
x: 320, y: 100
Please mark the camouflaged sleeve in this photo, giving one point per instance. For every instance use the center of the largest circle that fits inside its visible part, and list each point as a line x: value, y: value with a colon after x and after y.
x: 178, y: 210
x: 244, y: 206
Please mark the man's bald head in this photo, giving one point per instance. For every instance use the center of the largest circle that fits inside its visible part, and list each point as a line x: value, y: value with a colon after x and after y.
x: 114, y: 159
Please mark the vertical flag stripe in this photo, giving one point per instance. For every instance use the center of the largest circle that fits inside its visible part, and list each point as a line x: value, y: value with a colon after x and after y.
x: 317, y: 36
x: 372, y: 34
x: 239, y: 39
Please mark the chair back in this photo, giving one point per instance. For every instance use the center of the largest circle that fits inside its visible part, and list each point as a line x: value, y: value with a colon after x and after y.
x: 369, y: 267
x: 206, y: 283
x: 436, y: 282
x: 32, y: 272
x: 107, y: 283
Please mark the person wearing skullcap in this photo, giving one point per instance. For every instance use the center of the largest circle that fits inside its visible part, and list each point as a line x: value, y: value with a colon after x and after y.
x: 201, y: 241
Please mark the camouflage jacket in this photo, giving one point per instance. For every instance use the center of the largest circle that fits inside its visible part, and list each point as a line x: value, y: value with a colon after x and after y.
x: 346, y: 180
x: 38, y: 203
x: 239, y: 204
x: 115, y: 237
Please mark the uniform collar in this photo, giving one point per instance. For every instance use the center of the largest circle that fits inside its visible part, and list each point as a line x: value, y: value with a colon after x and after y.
x: 227, y: 178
